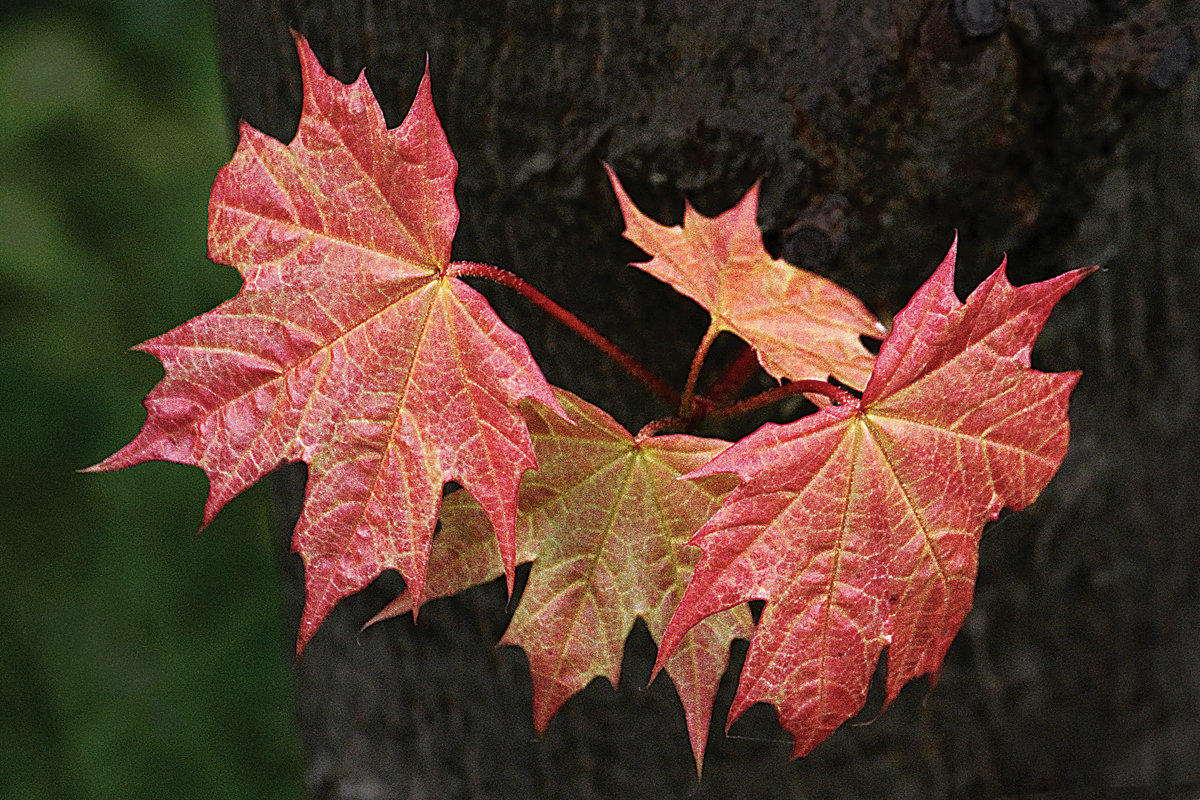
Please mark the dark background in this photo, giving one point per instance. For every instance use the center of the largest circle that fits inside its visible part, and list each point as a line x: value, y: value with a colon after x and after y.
x: 137, y: 658
x: 1061, y: 132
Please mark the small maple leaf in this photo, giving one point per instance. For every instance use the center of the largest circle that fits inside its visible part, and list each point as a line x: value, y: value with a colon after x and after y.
x: 605, y: 521
x: 803, y: 326
x: 859, y: 524
x: 350, y: 346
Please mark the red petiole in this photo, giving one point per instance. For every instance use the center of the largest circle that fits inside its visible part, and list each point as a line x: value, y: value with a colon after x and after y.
x: 692, y: 407
x: 657, y: 385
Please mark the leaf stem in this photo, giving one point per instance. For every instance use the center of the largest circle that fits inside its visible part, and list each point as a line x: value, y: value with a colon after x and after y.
x: 688, y: 398
x: 657, y: 426
x: 734, y: 376
x: 661, y: 389
x: 838, y: 395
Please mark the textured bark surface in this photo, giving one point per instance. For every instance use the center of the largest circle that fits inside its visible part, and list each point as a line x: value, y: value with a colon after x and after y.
x: 1062, y: 132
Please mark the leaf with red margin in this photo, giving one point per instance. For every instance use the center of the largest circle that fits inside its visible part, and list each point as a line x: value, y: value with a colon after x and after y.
x: 859, y: 525
x: 605, y: 521
x: 350, y: 346
x: 801, y: 325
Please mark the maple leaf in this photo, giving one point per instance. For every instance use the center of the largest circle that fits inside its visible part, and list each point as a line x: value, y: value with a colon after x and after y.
x: 605, y: 521
x: 801, y: 325
x: 859, y: 524
x: 350, y: 346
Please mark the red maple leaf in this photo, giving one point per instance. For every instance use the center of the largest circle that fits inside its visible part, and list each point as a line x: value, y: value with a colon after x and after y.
x: 351, y: 346
x: 605, y: 521
x: 802, y: 326
x: 859, y: 524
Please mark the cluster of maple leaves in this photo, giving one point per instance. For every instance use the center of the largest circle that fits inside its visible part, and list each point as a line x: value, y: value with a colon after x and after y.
x: 355, y: 346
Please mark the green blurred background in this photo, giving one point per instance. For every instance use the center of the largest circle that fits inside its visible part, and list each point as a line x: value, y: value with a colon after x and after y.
x: 138, y: 658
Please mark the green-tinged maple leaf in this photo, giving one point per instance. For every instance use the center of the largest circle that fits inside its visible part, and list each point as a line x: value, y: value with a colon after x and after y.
x: 802, y: 326
x: 351, y: 345
x: 859, y: 525
x: 605, y: 521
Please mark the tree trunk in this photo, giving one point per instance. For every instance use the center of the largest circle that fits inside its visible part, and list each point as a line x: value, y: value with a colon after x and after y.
x: 1061, y: 132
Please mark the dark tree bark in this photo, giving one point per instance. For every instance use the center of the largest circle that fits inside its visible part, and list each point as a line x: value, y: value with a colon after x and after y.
x: 1061, y: 131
